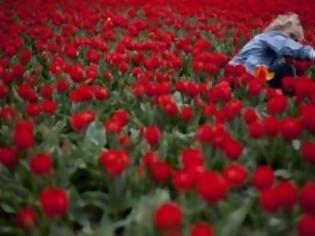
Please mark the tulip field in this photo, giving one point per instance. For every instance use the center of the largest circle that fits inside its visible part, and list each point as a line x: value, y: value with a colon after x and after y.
x: 123, y: 118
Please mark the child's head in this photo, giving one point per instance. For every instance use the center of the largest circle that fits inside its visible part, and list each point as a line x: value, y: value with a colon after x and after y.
x: 289, y: 24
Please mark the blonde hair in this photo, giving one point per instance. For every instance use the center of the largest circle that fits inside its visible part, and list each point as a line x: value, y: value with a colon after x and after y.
x: 289, y: 24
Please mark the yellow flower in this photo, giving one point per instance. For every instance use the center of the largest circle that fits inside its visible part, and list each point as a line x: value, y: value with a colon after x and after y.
x: 263, y: 73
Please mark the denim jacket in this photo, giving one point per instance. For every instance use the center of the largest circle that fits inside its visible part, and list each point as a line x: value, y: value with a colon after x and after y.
x: 269, y: 49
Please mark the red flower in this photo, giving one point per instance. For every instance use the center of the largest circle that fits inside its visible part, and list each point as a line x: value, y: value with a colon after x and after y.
x: 287, y: 194
x: 306, y: 225
x: 307, y: 197
x: 212, y: 187
x: 168, y: 216
x: 269, y: 200
x: 23, y: 135
x: 302, y: 66
x: 91, y: 74
x: 54, y: 201
x: 3, y: 91
x: 62, y: 86
x: 57, y: 65
x: 32, y: 80
x: 152, y: 135
x: 187, y: 113
x: 291, y: 128
x: 191, y: 157
x: 172, y: 232
x: 201, y: 229
x: 76, y: 73
x: 271, y: 126
x: 27, y: 218
x: 209, y: 110
x: 71, y: 51
x: 121, y: 116
x: 183, y: 180
x: 308, y: 117
x: 49, y: 106
x: 108, y: 76
x: 210, y: 68
x: 204, y: 133
x: 181, y: 85
x: 8, y: 113
x: 203, y: 45
x: 115, y: 162
x: 47, y: 91
x: 41, y: 164
x: 18, y: 71
x: 223, y: 115
x: 232, y: 108
x: 220, y: 134
x: 235, y: 70
x: 81, y: 120
x: 10, y: 50
x: 8, y: 157
x: 255, y: 87
x: 170, y: 108
x: 191, y: 88
x: 263, y: 177
x: 219, y: 59
x: 123, y: 67
x: 33, y: 109
x: 113, y: 126
x: 93, y: 56
x: 26, y: 56
x: 250, y: 115
x: 153, y: 62
x: 8, y: 77
x: 82, y: 93
x: 235, y: 175
x: 256, y: 130
x: 160, y: 171
x: 288, y: 83
x: 125, y: 141
x: 101, y: 93
x: 232, y: 149
x: 220, y: 92
x: 303, y: 87
x: 277, y: 104
x: 149, y: 158
x: 271, y: 92
x: 308, y: 151
x: 198, y: 66
x: 27, y: 93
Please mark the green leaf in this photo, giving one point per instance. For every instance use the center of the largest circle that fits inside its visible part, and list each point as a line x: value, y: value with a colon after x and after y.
x: 51, y: 140
x: 77, y: 213
x: 147, y: 204
x: 95, y: 137
x: 163, y: 148
x: 7, y: 230
x: 95, y: 198
x: 105, y: 228
x: 178, y: 98
x: 283, y: 173
x: 60, y: 230
x: 10, y: 188
x: 296, y: 144
x: 232, y: 224
x: 5, y: 207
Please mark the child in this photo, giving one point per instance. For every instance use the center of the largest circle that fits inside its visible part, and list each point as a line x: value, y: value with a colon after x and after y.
x: 280, y: 39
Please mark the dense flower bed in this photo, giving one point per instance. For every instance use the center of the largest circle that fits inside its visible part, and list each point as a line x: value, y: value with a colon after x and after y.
x: 123, y: 118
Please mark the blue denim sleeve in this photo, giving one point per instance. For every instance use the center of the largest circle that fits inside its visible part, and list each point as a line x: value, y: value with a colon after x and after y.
x: 284, y: 46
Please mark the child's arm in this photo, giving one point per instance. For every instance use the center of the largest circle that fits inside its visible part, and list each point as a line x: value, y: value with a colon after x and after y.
x: 285, y: 46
